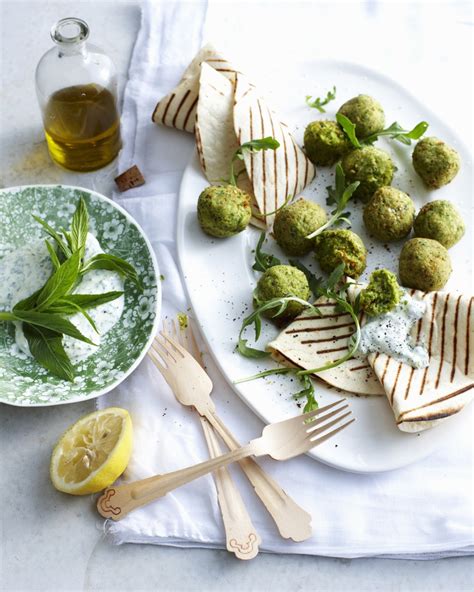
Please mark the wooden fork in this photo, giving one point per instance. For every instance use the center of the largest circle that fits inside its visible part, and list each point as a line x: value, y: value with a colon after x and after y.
x: 282, y: 440
x: 192, y: 387
x: 242, y: 538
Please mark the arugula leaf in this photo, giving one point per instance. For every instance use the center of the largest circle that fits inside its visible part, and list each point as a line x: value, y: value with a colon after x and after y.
x: 340, y: 196
x: 318, y: 103
x: 396, y: 132
x: 308, y: 392
x: 60, y: 283
x: 56, y: 236
x: 268, y: 143
x: 50, y: 321
x: 112, y: 263
x: 349, y: 129
x: 329, y: 290
x: 264, y: 261
x: 314, y: 282
x: 47, y: 349
x: 255, y: 319
x: 79, y: 227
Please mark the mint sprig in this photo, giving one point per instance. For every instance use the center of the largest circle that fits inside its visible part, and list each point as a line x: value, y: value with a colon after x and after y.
x: 43, y: 313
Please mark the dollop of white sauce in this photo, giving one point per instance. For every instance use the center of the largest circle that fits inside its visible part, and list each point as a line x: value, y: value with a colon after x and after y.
x: 25, y: 270
x: 390, y: 333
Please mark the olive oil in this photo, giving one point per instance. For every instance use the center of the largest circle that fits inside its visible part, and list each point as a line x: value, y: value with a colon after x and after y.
x: 82, y: 127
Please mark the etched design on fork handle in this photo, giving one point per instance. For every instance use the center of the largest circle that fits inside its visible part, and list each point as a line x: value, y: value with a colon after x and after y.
x: 244, y: 548
x: 104, y: 504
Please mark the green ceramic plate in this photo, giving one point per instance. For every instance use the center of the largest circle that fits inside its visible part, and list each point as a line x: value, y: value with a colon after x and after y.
x: 25, y: 383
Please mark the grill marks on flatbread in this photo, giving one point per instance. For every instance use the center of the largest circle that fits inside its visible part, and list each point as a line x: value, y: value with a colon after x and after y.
x: 422, y: 397
x: 179, y: 108
x: 311, y: 341
x: 215, y: 137
x: 273, y: 173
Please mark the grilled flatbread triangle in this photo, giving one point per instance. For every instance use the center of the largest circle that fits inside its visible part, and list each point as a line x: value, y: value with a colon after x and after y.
x: 421, y: 398
x: 215, y: 137
x: 274, y: 174
x: 178, y: 109
x: 311, y: 341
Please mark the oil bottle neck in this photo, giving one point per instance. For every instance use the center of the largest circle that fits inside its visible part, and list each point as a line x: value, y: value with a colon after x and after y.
x: 70, y: 36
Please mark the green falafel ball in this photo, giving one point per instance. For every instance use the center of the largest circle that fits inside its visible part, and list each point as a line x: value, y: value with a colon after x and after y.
x: 293, y: 224
x: 382, y: 294
x: 333, y: 247
x: 281, y: 281
x: 223, y: 210
x: 325, y: 142
x: 441, y: 221
x: 435, y: 162
x: 424, y: 265
x: 365, y: 113
x: 372, y: 167
x: 389, y: 214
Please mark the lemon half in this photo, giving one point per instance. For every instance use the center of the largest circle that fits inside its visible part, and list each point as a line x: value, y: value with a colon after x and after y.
x: 93, y: 452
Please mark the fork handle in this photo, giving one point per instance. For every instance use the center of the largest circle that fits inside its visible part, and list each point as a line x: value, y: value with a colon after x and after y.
x: 117, y: 502
x: 291, y: 520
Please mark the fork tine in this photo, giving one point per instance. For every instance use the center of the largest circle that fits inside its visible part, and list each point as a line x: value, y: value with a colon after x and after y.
x: 316, y: 420
x: 174, y: 344
x: 154, y: 358
x: 322, y: 439
x: 161, y: 346
x: 319, y: 410
x: 314, y: 433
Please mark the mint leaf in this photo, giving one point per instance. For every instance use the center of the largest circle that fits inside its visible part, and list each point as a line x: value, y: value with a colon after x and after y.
x: 90, y: 300
x: 60, y: 283
x: 47, y: 349
x: 56, y: 236
x: 50, y: 321
x: 79, y: 227
x: 52, y: 254
x: 112, y: 263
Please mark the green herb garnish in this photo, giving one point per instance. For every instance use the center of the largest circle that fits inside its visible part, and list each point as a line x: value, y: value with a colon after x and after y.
x: 264, y: 261
x: 333, y: 289
x: 319, y: 103
x: 43, y: 313
x: 339, y: 195
x: 394, y: 131
x: 348, y: 128
x: 252, y: 146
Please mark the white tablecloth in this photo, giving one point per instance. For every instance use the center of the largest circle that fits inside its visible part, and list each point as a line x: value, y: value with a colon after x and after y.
x: 421, y: 511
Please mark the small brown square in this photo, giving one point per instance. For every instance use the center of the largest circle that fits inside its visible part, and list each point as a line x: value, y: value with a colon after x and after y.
x: 130, y: 178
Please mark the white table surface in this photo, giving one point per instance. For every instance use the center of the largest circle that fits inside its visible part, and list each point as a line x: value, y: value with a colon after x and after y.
x: 53, y: 542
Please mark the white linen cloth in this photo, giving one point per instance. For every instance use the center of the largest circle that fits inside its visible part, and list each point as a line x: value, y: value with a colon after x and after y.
x: 422, y: 511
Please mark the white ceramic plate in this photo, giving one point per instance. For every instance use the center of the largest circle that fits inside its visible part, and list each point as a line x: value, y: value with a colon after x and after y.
x: 220, y: 279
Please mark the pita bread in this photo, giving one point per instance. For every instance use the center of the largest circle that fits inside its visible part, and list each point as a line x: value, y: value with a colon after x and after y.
x: 422, y: 398
x: 215, y: 137
x: 311, y: 341
x: 274, y: 174
x: 178, y: 109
